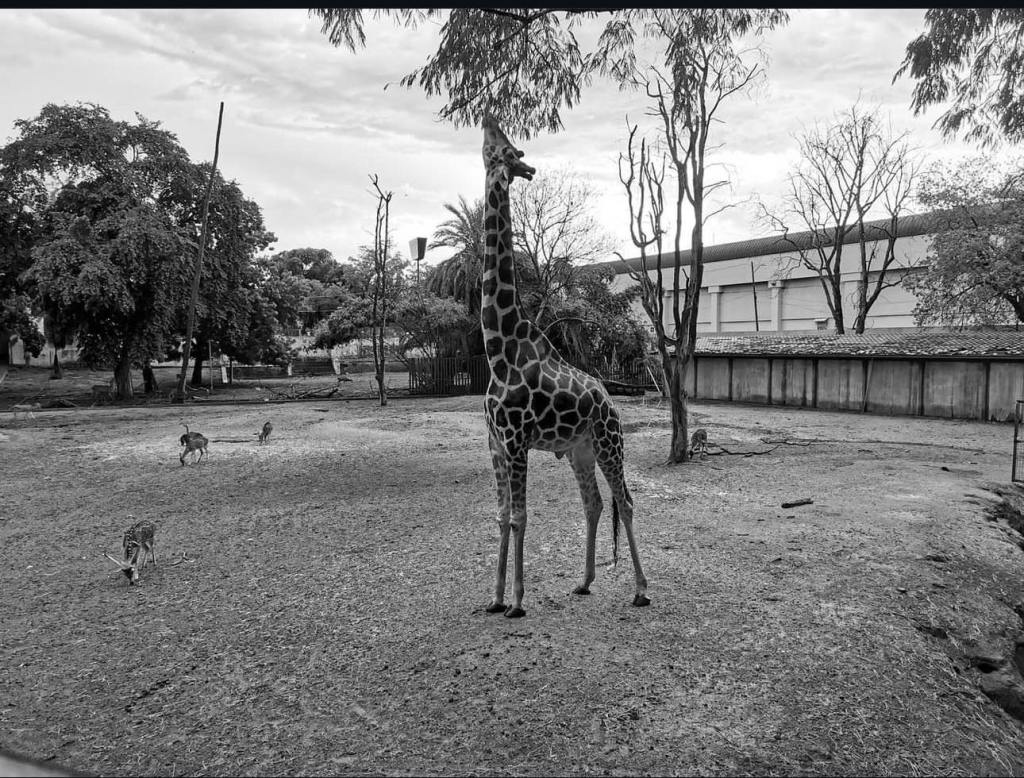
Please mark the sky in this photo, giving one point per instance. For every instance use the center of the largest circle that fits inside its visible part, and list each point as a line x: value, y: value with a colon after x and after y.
x: 306, y: 124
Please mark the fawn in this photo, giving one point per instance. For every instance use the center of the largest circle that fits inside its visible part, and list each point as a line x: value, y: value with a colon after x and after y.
x: 193, y: 442
x: 138, y: 540
x: 267, y: 429
x: 699, y: 442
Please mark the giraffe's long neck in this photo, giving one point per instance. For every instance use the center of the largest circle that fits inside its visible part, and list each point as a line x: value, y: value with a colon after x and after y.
x: 499, y: 310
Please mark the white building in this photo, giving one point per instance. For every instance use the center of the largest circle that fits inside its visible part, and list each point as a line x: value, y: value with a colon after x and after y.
x: 766, y: 274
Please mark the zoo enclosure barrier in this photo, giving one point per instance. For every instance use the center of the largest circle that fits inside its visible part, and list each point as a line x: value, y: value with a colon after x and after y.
x: 470, y: 375
x: 983, y: 388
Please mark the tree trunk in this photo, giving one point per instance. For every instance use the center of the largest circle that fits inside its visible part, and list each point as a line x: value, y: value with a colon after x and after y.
x: 58, y: 371
x: 675, y: 373
x: 378, y: 363
x: 197, y: 370
x: 123, y: 380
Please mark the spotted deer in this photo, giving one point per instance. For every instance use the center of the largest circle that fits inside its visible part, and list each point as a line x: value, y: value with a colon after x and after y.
x: 699, y: 442
x: 265, y: 434
x: 193, y: 442
x: 138, y: 541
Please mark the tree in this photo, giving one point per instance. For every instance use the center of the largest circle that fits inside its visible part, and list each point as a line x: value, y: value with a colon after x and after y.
x: 520, y: 65
x: 701, y: 70
x: 230, y: 302
x: 555, y: 233
x: 106, y: 253
x: 459, y: 275
x: 345, y: 324
x: 848, y: 170
x: 975, y: 271
x: 114, y: 215
x: 972, y: 56
x: 431, y: 323
x: 116, y: 274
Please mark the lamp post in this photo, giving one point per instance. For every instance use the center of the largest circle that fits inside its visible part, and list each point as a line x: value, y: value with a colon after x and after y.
x: 417, y: 248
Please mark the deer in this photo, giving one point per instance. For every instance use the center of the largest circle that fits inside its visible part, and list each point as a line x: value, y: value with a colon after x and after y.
x: 265, y: 434
x: 138, y: 541
x: 193, y: 442
x: 28, y: 409
x: 184, y: 439
x: 699, y: 442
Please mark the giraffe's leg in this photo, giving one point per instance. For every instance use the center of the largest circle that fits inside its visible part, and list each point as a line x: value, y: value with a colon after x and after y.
x: 582, y: 461
x: 610, y: 463
x: 517, y: 464
x: 498, y: 460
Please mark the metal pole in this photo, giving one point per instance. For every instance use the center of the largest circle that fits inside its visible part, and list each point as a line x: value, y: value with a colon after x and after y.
x: 179, y: 394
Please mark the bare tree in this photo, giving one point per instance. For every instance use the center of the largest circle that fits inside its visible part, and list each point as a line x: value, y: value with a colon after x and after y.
x: 703, y: 71
x: 556, y: 233
x: 848, y: 170
x: 379, y: 286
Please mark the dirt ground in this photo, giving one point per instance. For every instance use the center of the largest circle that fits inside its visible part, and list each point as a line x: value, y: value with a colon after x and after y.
x: 327, y: 617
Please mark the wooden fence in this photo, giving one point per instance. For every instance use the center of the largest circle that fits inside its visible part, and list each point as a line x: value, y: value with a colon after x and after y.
x: 985, y: 388
x: 470, y: 375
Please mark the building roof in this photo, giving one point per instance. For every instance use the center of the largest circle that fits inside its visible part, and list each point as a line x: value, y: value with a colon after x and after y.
x: 907, y: 226
x: 932, y: 343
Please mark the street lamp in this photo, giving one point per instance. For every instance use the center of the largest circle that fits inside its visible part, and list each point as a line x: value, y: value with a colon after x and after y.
x: 417, y: 248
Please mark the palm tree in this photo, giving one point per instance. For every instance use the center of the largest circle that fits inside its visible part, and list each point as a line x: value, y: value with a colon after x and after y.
x: 459, y: 275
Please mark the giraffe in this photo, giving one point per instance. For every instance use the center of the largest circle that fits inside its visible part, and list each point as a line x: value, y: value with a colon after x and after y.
x: 537, y: 400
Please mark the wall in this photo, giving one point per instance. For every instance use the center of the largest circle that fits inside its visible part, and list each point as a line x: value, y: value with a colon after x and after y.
x: 789, y: 295
x: 978, y: 388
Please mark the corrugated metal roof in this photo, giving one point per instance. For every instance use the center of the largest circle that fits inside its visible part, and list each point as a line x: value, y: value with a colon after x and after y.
x: 907, y: 226
x: 920, y: 342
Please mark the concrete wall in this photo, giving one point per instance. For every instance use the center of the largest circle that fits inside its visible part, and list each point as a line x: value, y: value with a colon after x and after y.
x: 956, y: 389
x: 789, y: 295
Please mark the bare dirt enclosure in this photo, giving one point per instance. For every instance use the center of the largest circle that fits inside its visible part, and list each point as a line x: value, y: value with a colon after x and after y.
x: 327, y: 616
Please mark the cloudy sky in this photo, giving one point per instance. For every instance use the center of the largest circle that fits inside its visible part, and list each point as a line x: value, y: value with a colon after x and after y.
x: 305, y: 123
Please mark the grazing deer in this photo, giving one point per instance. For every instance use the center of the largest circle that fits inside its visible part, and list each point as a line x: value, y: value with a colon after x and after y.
x: 193, y: 442
x: 265, y: 435
x: 138, y: 541
x: 184, y: 439
x: 28, y: 409
x: 699, y: 442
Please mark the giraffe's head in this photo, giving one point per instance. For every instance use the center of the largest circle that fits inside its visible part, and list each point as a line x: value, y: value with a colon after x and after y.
x: 499, y: 151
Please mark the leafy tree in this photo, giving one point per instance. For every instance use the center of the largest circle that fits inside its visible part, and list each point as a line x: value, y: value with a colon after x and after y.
x: 431, y: 323
x: 459, y: 275
x: 345, y: 324
x: 847, y: 170
x: 971, y: 56
x: 115, y: 273
x: 114, y: 210
x: 229, y: 301
x: 975, y: 271
x: 520, y: 65
x: 106, y: 251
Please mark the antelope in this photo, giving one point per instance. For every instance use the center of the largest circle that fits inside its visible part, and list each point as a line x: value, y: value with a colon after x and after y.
x: 28, y: 409
x: 184, y: 439
x: 699, y: 442
x: 267, y: 429
x: 193, y: 442
x: 138, y: 540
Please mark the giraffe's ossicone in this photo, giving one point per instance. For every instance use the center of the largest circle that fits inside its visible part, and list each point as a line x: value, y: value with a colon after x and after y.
x: 537, y: 400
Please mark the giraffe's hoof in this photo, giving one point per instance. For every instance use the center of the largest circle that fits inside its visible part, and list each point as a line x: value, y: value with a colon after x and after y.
x: 581, y: 590
x: 495, y: 607
x: 514, y: 613
x: 641, y: 600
